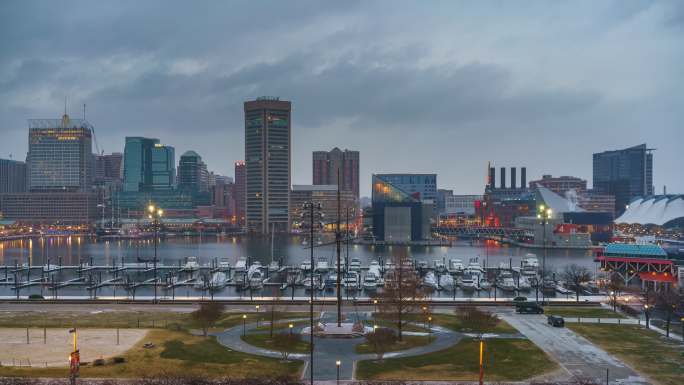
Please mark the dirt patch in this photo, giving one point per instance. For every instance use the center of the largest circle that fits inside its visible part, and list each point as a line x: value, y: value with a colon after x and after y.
x: 53, y: 347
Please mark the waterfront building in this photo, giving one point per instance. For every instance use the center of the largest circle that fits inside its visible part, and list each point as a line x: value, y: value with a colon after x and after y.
x: 400, y: 215
x: 501, y: 205
x: 109, y: 169
x: 239, y: 192
x: 267, y: 164
x: 326, y: 165
x: 148, y: 165
x: 12, y: 176
x: 463, y: 205
x: 326, y: 195
x: 562, y: 184
x: 422, y: 187
x: 664, y: 211
x: 59, y: 155
x: 193, y: 175
x: 50, y: 208
x: 626, y: 174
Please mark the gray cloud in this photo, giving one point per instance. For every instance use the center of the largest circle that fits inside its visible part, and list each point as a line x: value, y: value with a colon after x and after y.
x: 441, y: 87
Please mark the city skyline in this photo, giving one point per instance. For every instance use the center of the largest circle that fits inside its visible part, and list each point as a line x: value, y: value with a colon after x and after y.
x: 393, y: 91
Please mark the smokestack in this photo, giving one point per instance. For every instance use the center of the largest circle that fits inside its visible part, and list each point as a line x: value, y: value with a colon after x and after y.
x: 492, y: 177
x: 503, y: 177
x: 513, y: 177
x: 523, y: 177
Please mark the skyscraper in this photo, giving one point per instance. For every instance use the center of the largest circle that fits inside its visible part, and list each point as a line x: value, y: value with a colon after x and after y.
x: 239, y: 192
x: 12, y: 176
x: 148, y: 165
x: 267, y: 164
x: 326, y: 164
x: 626, y: 174
x: 60, y: 155
x: 192, y: 173
x: 109, y: 168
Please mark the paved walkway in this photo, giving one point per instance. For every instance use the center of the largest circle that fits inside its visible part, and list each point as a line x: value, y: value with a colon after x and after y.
x: 578, y: 356
x: 329, y: 350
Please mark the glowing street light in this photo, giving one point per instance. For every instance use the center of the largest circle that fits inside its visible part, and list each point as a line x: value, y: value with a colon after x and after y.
x: 481, y: 361
x: 244, y: 324
x: 338, y: 363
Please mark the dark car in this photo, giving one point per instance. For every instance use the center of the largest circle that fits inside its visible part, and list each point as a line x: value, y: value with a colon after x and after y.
x: 556, y: 321
x: 529, y: 308
x: 520, y: 299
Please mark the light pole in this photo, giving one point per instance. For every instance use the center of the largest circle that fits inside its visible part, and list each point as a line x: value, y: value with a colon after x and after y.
x: 314, y: 210
x: 257, y: 315
x: 613, y: 300
x: 338, y: 363
x: 481, y: 361
x: 74, y: 359
x: 155, y: 214
x: 647, y: 313
x: 290, y: 326
x: 544, y: 214
x: 244, y: 324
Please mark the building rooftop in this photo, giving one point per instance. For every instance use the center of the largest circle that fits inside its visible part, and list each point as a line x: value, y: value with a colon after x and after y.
x: 646, y: 250
x: 314, y: 187
x: 653, y: 210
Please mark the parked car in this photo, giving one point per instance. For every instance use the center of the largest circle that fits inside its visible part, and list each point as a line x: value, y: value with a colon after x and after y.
x: 556, y: 321
x: 529, y: 308
x: 520, y: 299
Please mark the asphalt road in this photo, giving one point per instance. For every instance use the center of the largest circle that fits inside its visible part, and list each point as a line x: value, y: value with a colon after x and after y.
x: 579, y: 357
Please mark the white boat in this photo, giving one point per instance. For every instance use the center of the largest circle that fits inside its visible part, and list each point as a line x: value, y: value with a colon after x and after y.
x: 355, y: 264
x: 468, y: 283
x: 192, y: 264
x: 455, y: 266
x: 316, y: 282
x: 322, y: 266
x: 218, y: 280
x: 273, y: 266
x: 370, y: 282
x: 430, y: 280
x: 330, y: 281
x: 439, y: 265
x: 224, y: 264
x: 507, y: 284
x: 305, y: 266
x: 446, y: 281
x: 422, y: 265
x: 474, y: 267
x: 255, y: 275
x: 524, y: 284
x: 241, y: 264
x: 374, y: 268
x: 484, y: 284
x: 389, y: 265
x: 351, y: 281
x: 343, y: 265
x: 530, y: 265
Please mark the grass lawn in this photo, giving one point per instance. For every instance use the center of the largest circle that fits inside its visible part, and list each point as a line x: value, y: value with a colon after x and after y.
x: 644, y: 350
x: 263, y: 340
x: 385, y: 323
x: 581, y: 311
x: 505, y: 360
x: 452, y: 322
x: 407, y: 342
x: 175, y: 354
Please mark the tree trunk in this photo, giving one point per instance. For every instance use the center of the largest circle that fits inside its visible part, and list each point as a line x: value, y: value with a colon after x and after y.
x: 667, y: 325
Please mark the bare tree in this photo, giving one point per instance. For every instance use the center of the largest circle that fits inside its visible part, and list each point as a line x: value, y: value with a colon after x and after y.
x: 402, y: 293
x: 472, y: 318
x: 669, y: 300
x: 283, y: 342
x: 207, y: 315
x: 576, y: 276
x: 381, y: 340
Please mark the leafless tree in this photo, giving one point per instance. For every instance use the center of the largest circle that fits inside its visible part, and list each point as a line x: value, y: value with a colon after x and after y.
x: 669, y: 301
x: 402, y: 293
x: 283, y: 342
x: 381, y: 340
x: 474, y: 319
x: 576, y: 275
x: 207, y: 315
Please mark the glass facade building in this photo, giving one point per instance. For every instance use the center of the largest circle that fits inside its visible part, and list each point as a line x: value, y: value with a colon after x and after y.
x: 148, y: 165
x: 399, y: 215
x: 12, y: 176
x: 192, y: 173
x: 422, y: 187
x: 267, y: 164
x: 626, y: 174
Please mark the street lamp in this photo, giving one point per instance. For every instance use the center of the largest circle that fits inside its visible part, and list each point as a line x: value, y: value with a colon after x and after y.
x: 315, y: 217
x: 544, y: 214
x: 74, y: 359
x: 647, y: 313
x: 155, y: 214
x: 257, y: 316
x: 244, y: 324
x: 613, y: 299
x: 481, y: 361
x: 290, y: 326
x: 338, y: 363
x: 430, y: 328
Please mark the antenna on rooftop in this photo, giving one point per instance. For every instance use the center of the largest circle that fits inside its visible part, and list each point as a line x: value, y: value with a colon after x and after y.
x: 83, y: 111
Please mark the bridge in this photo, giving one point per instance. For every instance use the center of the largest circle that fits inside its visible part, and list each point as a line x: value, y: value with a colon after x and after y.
x: 480, y: 231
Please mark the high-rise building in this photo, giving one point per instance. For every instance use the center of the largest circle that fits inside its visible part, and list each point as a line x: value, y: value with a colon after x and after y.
x: 12, y: 176
x: 327, y: 163
x: 193, y: 175
x: 626, y: 174
x: 148, y: 165
x: 400, y: 215
x: 326, y: 195
x: 60, y: 155
x: 108, y: 168
x: 239, y: 192
x: 267, y: 164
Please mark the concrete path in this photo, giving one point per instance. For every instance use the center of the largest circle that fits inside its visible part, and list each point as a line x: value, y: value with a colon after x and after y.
x: 578, y: 356
x: 329, y: 350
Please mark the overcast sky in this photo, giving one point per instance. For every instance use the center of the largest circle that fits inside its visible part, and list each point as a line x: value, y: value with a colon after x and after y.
x: 423, y: 86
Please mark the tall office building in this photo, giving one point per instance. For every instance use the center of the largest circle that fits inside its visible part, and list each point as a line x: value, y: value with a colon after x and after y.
x: 60, y: 155
x: 239, y: 192
x: 148, y: 165
x: 193, y: 175
x: 267, y: 164
x: 422, y: 187
x: 626, y: 174
x: 12, y: 176
x: 327, y: 163
x: 108, y: 168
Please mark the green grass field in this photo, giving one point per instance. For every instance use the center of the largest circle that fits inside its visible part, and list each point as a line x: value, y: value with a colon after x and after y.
x: 407, y: 342
x: 581, y: 311
x: 449, y: 321
x: 175, y: 354
x: 505, y: 360
x: 263, y: 340
x: 644, y: 350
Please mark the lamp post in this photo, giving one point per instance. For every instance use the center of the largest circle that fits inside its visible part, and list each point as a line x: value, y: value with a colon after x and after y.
x: 290, y: 326
x: 244, y: 324
x: 338, y: 363
x: 613, y: 300
x: 74, y: 359
x: 481, y: 361
x: 544, y: 214
x: 257, y: 315
x: 647, y: 313
x: 430, y: 328
x: 155, y: 214
x: 314, y: 210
